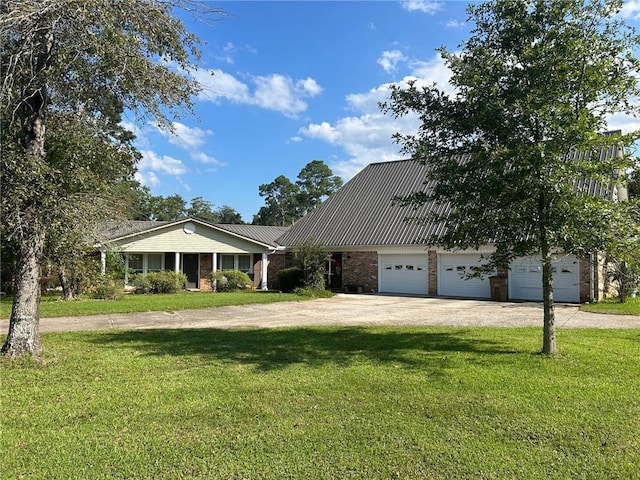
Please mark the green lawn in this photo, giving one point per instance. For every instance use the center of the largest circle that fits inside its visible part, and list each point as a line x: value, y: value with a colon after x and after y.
x: 630, y: 307
x: 52, y: 306
x: 316, y: 403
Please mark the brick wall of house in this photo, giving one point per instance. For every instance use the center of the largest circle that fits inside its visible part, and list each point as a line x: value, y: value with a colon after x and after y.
x: 584, y: 274
x: 432, y: 265
x: 360, y: 269
x: 277, y: 262
x: 205, y: 270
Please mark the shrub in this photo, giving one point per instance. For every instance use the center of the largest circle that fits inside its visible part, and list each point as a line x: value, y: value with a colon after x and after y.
x: 166, y: 282
x: 311, y: 258
x: 230, y: 280
x: 290, y: 279
x: 105, y: 288
x: 141, y: 283
x: 159, y: 282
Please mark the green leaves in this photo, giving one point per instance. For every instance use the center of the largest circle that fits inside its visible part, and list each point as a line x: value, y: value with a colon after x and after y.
x: 515, y: 151
x: 286, y: 202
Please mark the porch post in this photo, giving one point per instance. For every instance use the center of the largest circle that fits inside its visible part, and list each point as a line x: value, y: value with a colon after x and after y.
x: 103, y: 262
x: 126, y: 268
x: 177, y: 263
x: 214, y: 267
x: 263, y: 282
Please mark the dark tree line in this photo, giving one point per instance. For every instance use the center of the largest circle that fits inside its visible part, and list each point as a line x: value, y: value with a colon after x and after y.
x: 145, y: 206
x: 287, y: 201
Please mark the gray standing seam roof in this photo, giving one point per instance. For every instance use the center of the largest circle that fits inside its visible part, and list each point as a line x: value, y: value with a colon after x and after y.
x: 363, y: 211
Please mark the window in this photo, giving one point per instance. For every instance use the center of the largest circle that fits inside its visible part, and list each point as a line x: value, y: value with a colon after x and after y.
x: 135, y: 262
x: 227, y: 262
x: 154, y: 262
x: 244, y: 263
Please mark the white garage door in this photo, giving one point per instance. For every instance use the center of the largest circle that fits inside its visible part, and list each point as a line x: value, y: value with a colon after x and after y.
x: 525, y: 279
x: 452, y: 276
x: 403, y: 274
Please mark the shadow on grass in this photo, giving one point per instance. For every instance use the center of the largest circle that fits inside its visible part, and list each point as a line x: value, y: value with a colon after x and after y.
x: 275, y: 348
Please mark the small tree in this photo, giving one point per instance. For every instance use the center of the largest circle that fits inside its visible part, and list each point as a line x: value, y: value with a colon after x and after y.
x: 311, y: 258
x: 509, y: 151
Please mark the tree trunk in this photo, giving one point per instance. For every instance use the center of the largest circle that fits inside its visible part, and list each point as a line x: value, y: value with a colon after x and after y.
x: 549, y: 322
x: 24, y: 335
x: 69, y: 284
x: 549, y: 329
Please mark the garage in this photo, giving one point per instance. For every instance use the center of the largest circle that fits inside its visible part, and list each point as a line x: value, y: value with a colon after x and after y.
x: 525, y: 279
x: 403, y: 274
x: 452, y: 276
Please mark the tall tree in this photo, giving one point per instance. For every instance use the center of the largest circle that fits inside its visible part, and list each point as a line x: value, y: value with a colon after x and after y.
x: 281, y: 203
x: 286, y: 202
x: 92, y: 59
x: 168, y: 208
x: 507, y: 151
x: 316, y: 182
x: 226, y: 214
x: 201, y: 208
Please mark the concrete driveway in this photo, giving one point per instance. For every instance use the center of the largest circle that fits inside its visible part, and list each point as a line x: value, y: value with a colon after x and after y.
x: 347, y: 310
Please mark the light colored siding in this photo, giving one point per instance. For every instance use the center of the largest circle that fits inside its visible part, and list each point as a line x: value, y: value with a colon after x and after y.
x: 174, y: 239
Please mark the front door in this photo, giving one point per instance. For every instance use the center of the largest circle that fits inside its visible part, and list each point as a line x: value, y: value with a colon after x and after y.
x: 333, y: 275
x: 190, y: 268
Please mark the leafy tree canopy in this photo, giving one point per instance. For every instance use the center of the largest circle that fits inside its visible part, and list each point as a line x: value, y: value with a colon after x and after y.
x: 286, y: 201
x: 69, y: 68
x: 508, y: 150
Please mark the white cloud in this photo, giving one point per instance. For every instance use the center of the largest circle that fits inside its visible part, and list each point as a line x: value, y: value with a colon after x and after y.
x: 186, y: 137
x: 390, y: 59
x: 453, y: 23
x: 310, y: 86
x: 366, y: 136
x: 424, y: 6
x: 272, y: 92
x: 217, y: 84
x: 432, y: 71
x: 631, y: 9
x: 149, y: 179
x: 152, y: 162
x: 623, y: 122
x: 202, y: 157
x: 277, y: 92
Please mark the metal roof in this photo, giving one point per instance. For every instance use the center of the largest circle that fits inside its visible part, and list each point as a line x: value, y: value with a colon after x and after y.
x: 363, y: 211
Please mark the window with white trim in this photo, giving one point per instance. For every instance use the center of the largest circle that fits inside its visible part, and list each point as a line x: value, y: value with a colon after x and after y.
x: 135, y: 262
x: 244, y: 263
x: 240, y: 262
x: 227, y: 262
x: 154, y: 262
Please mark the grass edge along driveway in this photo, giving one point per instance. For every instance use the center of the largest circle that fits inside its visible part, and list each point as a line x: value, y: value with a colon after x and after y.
x: 53, y: 306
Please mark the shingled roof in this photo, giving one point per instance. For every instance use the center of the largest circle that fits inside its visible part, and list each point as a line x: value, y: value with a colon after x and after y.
x: 363, y: 213
x: 265, y: 235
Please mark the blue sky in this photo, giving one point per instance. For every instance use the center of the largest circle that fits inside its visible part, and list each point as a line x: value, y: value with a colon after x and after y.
x: 289, y: 82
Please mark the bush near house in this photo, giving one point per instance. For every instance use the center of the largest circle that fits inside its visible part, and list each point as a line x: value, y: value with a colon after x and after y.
x: 291, y: 278
x: 230, y: 280
x: 159, y: 282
